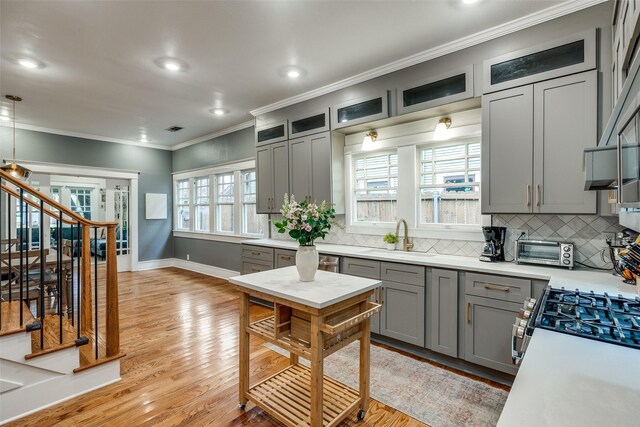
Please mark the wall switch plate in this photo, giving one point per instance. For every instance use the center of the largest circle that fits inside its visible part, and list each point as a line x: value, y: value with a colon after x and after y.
x: 187, y: 257
x: 520, y: 234
x: 609, y: 237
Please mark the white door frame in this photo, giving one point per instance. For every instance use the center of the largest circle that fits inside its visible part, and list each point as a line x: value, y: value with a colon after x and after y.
x: 74, y: 170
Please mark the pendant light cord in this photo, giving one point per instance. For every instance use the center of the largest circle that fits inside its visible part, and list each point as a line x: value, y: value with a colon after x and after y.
x: 14, y: 130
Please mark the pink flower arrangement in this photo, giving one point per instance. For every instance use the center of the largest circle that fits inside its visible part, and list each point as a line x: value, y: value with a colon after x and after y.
x: 304, y: 221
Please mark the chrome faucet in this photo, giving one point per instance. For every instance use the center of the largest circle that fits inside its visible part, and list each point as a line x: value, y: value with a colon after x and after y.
x: 406, y: 244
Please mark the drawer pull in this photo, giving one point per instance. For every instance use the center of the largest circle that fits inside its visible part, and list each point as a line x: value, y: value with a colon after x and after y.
x: 285, y: 257
x: 496, y: 288
x: 468, y: 312
x: 255, y: 269
x: 255, y: 253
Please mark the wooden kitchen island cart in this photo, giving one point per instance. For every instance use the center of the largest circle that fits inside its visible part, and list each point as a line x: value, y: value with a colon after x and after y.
x: 311, y: 320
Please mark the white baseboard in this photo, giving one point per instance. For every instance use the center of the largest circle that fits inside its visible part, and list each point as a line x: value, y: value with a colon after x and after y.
x: 209, y: 270
x: 155, y: 263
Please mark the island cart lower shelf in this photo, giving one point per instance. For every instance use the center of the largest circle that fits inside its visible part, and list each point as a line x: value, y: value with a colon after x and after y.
x: 287, y: 397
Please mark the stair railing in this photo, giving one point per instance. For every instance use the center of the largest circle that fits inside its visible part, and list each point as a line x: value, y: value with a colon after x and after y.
x: 25, y: 270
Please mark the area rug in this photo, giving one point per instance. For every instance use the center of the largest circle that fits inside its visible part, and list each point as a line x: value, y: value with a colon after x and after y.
x: 432, y: 395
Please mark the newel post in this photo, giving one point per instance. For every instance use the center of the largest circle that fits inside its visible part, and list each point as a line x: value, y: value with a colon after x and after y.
x: 87, y: 307
x: 113, y: 314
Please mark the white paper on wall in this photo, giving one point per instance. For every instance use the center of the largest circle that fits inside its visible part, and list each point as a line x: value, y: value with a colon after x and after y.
x: 155, y: 206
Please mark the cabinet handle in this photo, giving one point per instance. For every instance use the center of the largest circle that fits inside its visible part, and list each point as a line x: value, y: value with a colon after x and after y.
x: 528, y: 195
x: 496, y: 287
x: 255, y: 253
x: 285, y: 257
x: 468, y: 312
x: 255, y: 269
x: 538, y: 195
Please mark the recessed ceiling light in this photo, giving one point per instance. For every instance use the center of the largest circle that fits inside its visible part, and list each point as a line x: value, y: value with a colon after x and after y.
x: 470, y: 1
x: 30, y: 63
x: 171, y: 64
x: 218, y: 111
x: 292, y: 72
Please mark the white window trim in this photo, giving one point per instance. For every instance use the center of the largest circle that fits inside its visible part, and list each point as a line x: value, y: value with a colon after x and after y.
x: 237, y: 168
x: 408, y: 193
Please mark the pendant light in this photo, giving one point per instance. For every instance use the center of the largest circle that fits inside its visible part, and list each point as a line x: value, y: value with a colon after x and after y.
x: 15, y: 169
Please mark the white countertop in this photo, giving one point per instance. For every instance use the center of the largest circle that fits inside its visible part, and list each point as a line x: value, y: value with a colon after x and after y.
x: 327, y: 288
x: 572, y: 381
x: 563, y: 380
x: 598, y: 281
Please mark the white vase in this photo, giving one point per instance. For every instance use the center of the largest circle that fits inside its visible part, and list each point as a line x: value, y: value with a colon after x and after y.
x: 307, y: 263
x: 391, y: 246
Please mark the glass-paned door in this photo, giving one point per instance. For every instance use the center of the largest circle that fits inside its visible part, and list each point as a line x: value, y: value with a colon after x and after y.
x: 117, y: 206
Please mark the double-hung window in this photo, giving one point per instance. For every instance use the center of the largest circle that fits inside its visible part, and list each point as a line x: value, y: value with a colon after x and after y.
x: 251, y: 222
x: 221, y: 200
x: 225, y: 200
x: 450, y: 183
x: 183, y: 214
x: 376, y: 187
x: 201, y: 188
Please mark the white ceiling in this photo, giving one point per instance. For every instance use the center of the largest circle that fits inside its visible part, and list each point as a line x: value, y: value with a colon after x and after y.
x: 100, y: 78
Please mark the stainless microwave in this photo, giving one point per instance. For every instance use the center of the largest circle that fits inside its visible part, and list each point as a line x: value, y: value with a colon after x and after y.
x: 559, y: 254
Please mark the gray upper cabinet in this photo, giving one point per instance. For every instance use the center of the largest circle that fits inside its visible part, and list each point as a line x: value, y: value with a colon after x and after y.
x: 360, y: 110
x: 309, y: 124
x: 271, y: 133
x: 568, y: 55
x: 565, y: 123
x: 272, y: 176
x: 507, y: 151
x: 316, y: 169
x: 532, y: 136
x: 436, y: 90
x: 442, y: 311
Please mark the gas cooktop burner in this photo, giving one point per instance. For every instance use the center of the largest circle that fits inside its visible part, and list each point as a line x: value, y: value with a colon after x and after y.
x: 613, y: 319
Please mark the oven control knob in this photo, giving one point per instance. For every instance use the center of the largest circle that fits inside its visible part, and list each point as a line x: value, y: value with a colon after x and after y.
x: 566, y: 262
x: 518, y: 331
x: 566, y: 248
x: 529, y: 303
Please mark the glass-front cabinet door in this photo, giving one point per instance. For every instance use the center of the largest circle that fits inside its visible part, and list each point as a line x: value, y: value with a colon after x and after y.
x: 360, y: 110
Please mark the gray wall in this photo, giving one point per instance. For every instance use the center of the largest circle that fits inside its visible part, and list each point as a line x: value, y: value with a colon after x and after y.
x: 232, y: 147
x: 155, y: 240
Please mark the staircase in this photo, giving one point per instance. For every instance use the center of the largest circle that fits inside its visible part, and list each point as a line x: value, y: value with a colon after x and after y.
x: 59, y: 320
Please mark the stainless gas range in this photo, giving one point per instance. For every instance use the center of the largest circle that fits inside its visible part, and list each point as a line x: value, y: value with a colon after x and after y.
x: 602, y: 317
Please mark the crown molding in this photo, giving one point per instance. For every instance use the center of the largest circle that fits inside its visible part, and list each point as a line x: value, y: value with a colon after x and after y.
x: 216, y: 134
x: 88, y: 136
x: 536, y: 18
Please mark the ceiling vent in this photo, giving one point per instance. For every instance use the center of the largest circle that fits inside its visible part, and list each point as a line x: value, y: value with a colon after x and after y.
x: 174, y: 128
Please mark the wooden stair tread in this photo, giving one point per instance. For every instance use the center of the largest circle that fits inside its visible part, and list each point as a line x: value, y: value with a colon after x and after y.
x: 11, y: 317
x: 51, y: 340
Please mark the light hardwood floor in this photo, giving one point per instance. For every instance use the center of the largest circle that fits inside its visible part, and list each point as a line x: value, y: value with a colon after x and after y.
x: 179, y: 331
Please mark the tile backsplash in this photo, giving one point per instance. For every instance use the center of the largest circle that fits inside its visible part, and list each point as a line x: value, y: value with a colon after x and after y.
x: 582, y: 230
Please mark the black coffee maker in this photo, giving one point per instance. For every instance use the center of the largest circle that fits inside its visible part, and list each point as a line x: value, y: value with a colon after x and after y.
x: 493, y: 249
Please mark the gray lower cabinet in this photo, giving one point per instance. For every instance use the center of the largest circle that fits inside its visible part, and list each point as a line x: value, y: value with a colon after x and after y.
x: 284, y: 258
x: 402, y: 314
x: 369, y: 269
x: 487, y: 332
x: 256, y: 258
x: 442, y: 311
x: 272, y: 176
x: 532, y: 137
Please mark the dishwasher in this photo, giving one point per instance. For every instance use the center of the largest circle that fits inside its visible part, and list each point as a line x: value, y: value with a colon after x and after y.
x: 329, y: 263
